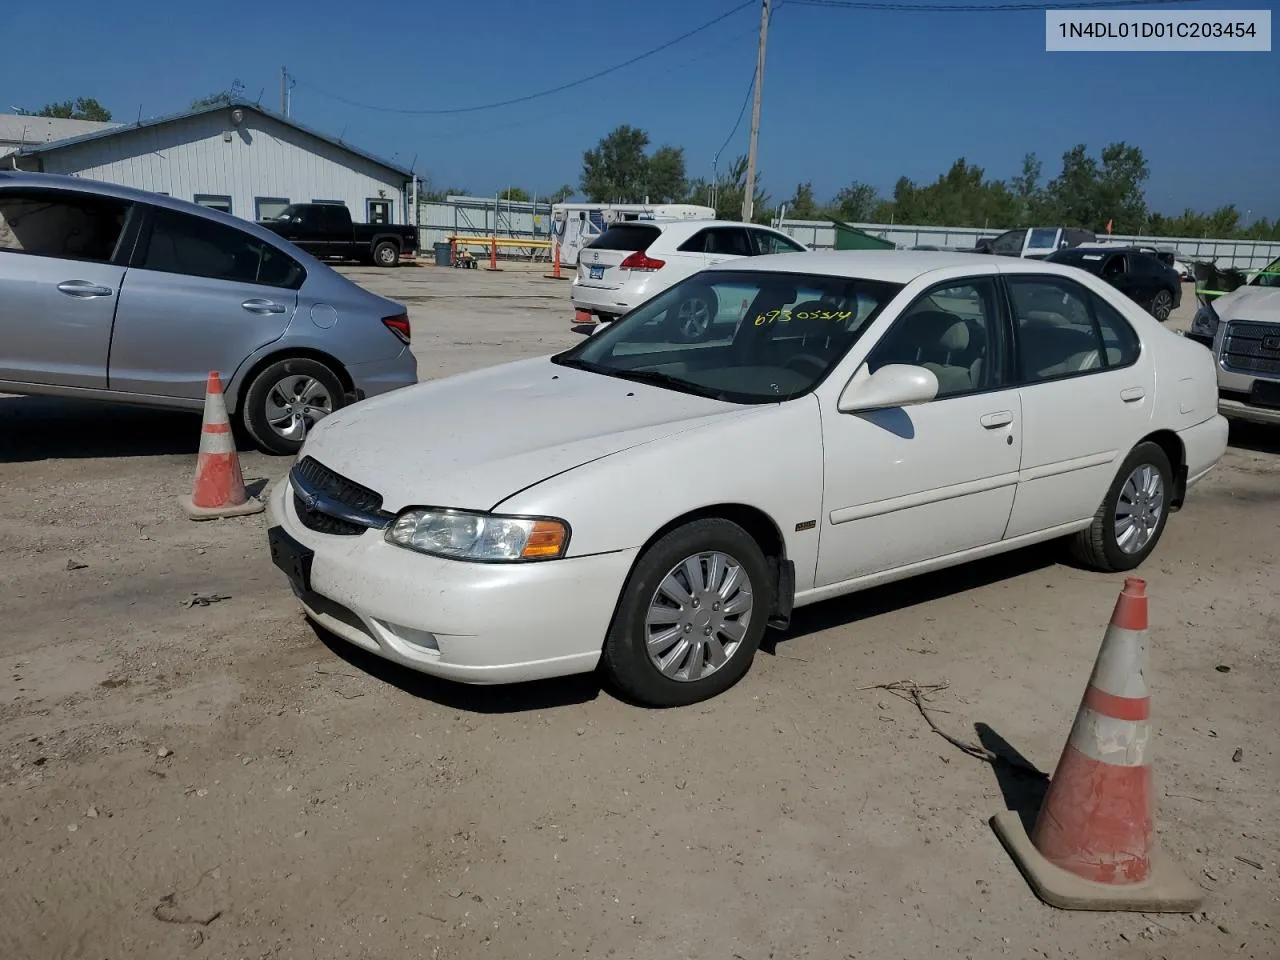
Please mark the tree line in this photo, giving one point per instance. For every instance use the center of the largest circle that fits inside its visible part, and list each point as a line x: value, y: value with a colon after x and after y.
x: 1088, y: 192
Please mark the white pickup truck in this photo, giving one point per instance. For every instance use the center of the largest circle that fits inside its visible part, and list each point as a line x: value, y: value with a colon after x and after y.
x: 1242, y: 328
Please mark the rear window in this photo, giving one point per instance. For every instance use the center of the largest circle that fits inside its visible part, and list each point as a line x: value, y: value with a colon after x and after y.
x: 626, y: 236
x: 1043, y: 238
x: 1090, y: 260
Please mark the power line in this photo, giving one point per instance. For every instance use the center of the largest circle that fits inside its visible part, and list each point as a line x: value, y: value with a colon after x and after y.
x: 980, y: 7
x: 542, y: 93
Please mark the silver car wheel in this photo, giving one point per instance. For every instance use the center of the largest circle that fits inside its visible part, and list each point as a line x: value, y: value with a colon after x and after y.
x: 698, y: 616
x: 693, y: 317
x: 386, y: 255
x: 1139, y: 509
x: 295, y: 403
x: 1162, y: 305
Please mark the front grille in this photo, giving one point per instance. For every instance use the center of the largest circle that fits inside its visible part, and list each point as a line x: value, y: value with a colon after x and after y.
x: 339, y: 502
x: 1243, y: 349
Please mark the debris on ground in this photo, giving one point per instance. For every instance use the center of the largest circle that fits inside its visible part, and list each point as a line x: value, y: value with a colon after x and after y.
x: 204, y: 599
x: 74, y: 564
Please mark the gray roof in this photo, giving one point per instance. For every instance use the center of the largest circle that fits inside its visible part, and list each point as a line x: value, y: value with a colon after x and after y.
x: 23, y: 130
x: 242, y: 104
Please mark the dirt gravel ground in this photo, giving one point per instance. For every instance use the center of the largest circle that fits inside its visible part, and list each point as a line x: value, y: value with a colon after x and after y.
x: 217, y: 780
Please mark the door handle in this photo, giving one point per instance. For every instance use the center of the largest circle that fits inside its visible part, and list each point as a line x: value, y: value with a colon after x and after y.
x: 1001, y: 418
x: 262, y: 306
x: 83, y: 289
x: 1130, y: 394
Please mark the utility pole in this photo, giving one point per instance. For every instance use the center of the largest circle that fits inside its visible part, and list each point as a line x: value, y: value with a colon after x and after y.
x: 284, y: 92
x: 749, y: 194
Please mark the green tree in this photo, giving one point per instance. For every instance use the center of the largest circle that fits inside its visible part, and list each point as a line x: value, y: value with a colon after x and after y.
x: 729, y: 191
x: 856, y: 203
x: 222, y: 97
x: 665, y: 180
x: 563, y: 194
x: 616, y: 169
x: 802, y: 205
x: 1026, y: 188
x: 82, y: 108
x: 515, y: 195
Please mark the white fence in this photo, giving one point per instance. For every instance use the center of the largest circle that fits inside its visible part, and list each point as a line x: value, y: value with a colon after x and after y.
x: 1242, y: 254
x: 487, y: 216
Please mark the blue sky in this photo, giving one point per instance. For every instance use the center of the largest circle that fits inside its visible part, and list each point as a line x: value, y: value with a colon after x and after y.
x: 848, y: 95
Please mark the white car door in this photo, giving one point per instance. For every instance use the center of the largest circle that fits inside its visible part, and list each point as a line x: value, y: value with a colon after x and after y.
x: 910, y: 484
x: 1087, y: 389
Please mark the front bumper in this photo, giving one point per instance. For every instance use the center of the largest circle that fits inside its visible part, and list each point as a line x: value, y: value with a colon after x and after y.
x: 1238, y: 410
x: 480, y: 623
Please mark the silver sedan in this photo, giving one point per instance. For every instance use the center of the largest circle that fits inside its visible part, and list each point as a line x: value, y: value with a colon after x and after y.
x: 116, y: 294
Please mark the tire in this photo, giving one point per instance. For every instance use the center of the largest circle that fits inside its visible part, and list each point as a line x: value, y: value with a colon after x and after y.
x: 277, y: 388
x: 1098, y: 546
x: 1161, y: 305
x: 695, y: 313
x: 626, y: 659
x: 386, y: 254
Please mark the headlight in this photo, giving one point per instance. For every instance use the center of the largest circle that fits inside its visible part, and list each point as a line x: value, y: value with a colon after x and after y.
x: 462, y: 535
x: 1205, y: 321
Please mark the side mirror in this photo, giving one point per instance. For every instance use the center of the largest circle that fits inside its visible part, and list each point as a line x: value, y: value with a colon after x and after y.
x: 893, y: 385
x: 599, y: 326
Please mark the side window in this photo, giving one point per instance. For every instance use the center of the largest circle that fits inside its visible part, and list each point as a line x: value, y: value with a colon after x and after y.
x: 952, y: 330
x: 1010, y: 243
x: 1114, y: 268
x: 1057, y: 336
x: 767, y: 242
x: 728, y: 241
x: 695, y: 244
x: 1121, y: 343
x: 65, y: 225
x: 195, y: 247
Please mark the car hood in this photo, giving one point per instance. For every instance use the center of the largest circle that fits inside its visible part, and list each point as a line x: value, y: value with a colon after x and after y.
x: 471, y: 441
x: 1249, y: 303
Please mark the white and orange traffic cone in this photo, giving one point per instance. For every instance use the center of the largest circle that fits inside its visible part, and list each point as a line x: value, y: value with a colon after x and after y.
x: 218, y: 490
x: 1093, y: 846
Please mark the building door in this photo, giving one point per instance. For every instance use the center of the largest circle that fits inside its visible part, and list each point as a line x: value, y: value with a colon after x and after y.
x: 378, y: 211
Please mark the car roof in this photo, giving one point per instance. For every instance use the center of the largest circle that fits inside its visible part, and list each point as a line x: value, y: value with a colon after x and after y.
x: 61, y: 181
x: 671, y: 224
x: 891, y: 266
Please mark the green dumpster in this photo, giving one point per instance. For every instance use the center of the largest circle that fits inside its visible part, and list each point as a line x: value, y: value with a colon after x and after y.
x: 851, y: 238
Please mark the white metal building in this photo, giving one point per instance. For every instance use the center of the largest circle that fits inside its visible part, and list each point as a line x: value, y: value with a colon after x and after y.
x: 239, y: 158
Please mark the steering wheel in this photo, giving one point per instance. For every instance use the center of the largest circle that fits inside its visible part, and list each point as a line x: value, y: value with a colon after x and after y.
x: 820, y: 365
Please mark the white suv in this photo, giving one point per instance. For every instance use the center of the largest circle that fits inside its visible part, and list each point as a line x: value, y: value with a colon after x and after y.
x: 635, y: 259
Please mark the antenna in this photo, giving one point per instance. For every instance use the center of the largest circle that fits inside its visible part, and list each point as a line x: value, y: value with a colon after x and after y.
x: 139, y: 114
x: 258, y: 102
x: 413, y: 163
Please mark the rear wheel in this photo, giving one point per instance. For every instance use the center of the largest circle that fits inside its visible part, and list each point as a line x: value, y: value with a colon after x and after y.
x: 1162, y: 305
x: 692, y: 317
x: 386, y: 254
x: 1133, y: 514
x: 285, y: 399
x: 691, y: 615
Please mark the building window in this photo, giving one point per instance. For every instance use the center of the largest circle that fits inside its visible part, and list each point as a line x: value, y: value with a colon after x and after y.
x: 268, y: 208
x: 377, y: 211
x: 214, y: 201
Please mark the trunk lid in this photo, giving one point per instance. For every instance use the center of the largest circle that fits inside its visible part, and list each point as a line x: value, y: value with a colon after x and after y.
x: 600, y: 261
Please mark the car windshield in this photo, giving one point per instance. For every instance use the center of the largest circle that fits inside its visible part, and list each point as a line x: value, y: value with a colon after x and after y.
x: 1269, y: 276
x: 749, y: 336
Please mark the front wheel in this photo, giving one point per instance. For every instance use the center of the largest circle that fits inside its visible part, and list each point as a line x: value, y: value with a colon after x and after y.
x: 691, y: 615
x: 386, y: 254
x: 285, y: 399
x: 1132, y: 515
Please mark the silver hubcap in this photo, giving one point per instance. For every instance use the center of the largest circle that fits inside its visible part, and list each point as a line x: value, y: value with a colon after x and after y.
x: 1163, y: 305
x: 295, y: 403
x: 1139, y: 508
x: 386, y: 254
x: 698, y: 616
x: 694, y: 317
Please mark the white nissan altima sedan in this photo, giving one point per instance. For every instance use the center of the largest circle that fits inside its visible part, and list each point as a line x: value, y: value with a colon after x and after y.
x: 649, y: 505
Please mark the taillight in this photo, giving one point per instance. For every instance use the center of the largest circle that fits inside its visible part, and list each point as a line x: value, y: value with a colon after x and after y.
x: 399, y: 325
x: 639, y: 261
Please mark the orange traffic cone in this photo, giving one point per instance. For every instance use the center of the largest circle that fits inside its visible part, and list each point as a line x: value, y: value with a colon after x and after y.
x: 218, y: 490
x: 1093, y: 845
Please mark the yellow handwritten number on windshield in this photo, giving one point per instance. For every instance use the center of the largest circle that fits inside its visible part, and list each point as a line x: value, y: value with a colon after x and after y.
x: 783, y: 316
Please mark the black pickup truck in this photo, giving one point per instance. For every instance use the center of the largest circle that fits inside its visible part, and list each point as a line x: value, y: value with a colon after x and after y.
x: 325, y: 230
